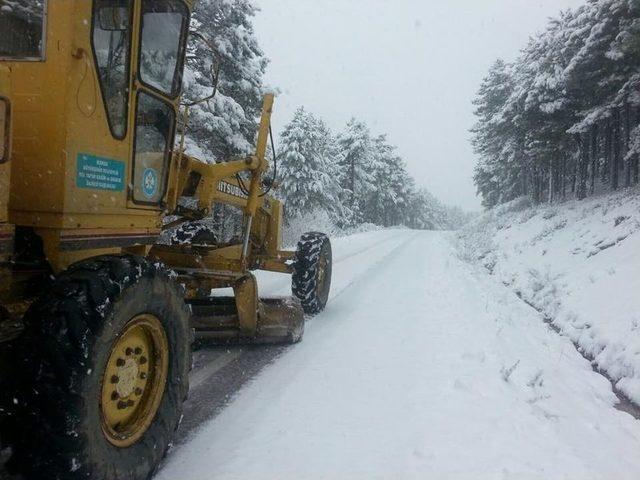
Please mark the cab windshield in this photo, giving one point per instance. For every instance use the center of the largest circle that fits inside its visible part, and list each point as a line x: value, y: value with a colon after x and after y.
x: 164, y: 31
x: 22, y: 29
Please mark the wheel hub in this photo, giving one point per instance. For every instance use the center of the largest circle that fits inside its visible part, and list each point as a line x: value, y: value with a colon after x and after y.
x: 128, y: 376
x: 134, y: 380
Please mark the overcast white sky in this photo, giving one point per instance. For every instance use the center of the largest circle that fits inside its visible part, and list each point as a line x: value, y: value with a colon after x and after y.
x: 409, y: 68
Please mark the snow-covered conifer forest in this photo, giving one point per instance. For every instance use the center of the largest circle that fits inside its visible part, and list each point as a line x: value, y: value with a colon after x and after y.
x: 340, y: 180
x: 563, y: 119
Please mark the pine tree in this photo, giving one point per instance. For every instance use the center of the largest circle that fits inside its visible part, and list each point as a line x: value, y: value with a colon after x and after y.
x: 386, y: 204
x: 224, y: 58
x: 570, y: 121
x: 492, y: 132
x: 307, y: 168
x: 356, y: 168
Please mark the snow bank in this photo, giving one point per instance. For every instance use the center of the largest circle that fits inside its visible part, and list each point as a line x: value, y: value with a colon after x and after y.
x: 579, y: 263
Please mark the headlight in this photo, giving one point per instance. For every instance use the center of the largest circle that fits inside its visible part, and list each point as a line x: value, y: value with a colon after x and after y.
x: 4, y: 129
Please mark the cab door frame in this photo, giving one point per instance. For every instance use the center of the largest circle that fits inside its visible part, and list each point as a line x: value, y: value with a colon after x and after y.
x: 172, y: 100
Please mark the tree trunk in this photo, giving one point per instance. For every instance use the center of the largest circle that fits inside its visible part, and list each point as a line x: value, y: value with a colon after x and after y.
x: 574, y: 174
x: 583, y: 144
x: 636, y: 159
x: 627, y: 139
x: 352, y: 181
x: 615, y: 163
x: 594, y: 158
x: 564, y: 176
x: 606, y: 167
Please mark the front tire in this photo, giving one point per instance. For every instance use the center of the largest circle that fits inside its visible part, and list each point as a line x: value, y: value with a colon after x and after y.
x: 101, y: 373
x: 311, y: 279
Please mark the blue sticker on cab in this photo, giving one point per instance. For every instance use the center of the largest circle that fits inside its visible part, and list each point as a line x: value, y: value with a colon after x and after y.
x: 149, y: 182
x: 99, y: 173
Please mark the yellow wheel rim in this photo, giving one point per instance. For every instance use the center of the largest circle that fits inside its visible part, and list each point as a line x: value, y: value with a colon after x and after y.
x: 134, y: 380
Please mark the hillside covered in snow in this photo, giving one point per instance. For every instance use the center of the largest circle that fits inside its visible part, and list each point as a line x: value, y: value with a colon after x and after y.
x: 578, y: 263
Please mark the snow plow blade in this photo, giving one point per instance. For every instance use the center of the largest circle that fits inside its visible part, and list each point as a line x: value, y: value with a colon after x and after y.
x: 280, y: 320
x: 218, y: 320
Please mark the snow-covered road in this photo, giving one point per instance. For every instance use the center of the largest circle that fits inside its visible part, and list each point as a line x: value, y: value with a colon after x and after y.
x: 420, y: 367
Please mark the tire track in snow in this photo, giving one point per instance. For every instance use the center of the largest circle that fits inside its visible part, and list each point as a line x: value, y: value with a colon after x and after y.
x: 374, y: 266
x: 211, y: 366
x: 215, y: 387
x: 364, y: 250
x: 282, y: 284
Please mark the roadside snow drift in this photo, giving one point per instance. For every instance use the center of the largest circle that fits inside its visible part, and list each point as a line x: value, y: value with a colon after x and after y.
x: 421, y: 367
x: 578, y: 262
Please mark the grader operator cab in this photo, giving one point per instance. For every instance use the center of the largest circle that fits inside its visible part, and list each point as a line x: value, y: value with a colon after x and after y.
x: 96, y: 316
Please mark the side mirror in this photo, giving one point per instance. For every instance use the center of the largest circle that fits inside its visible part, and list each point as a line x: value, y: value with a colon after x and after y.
x: 113, y: 19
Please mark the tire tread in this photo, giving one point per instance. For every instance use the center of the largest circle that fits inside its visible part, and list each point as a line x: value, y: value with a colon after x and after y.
x: 53, y: 359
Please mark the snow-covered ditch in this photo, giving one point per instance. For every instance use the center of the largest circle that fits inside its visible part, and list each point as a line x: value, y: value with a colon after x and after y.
x: 579, y: 263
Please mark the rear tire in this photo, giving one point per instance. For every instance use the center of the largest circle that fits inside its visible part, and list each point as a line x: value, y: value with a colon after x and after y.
x: 72, y: 330
x: 311, y: 279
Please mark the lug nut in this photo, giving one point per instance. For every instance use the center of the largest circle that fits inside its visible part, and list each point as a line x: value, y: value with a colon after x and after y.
x: 143, y: 375
x: 115, y: 379
x: 115, y: 396
x: 122, y: 405
x: 143, y: 360
x: 128, y: 351
x: 120, y: 362
x: 138, y: 350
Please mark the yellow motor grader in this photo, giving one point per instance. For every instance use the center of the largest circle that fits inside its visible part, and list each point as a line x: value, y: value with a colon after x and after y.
x: 96, y: 314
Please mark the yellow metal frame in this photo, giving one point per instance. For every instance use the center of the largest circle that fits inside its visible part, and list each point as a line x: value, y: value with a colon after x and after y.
x: 6, y: 229
x: 265, y: 213
x: 5, y: 137
x: 58, y: 112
